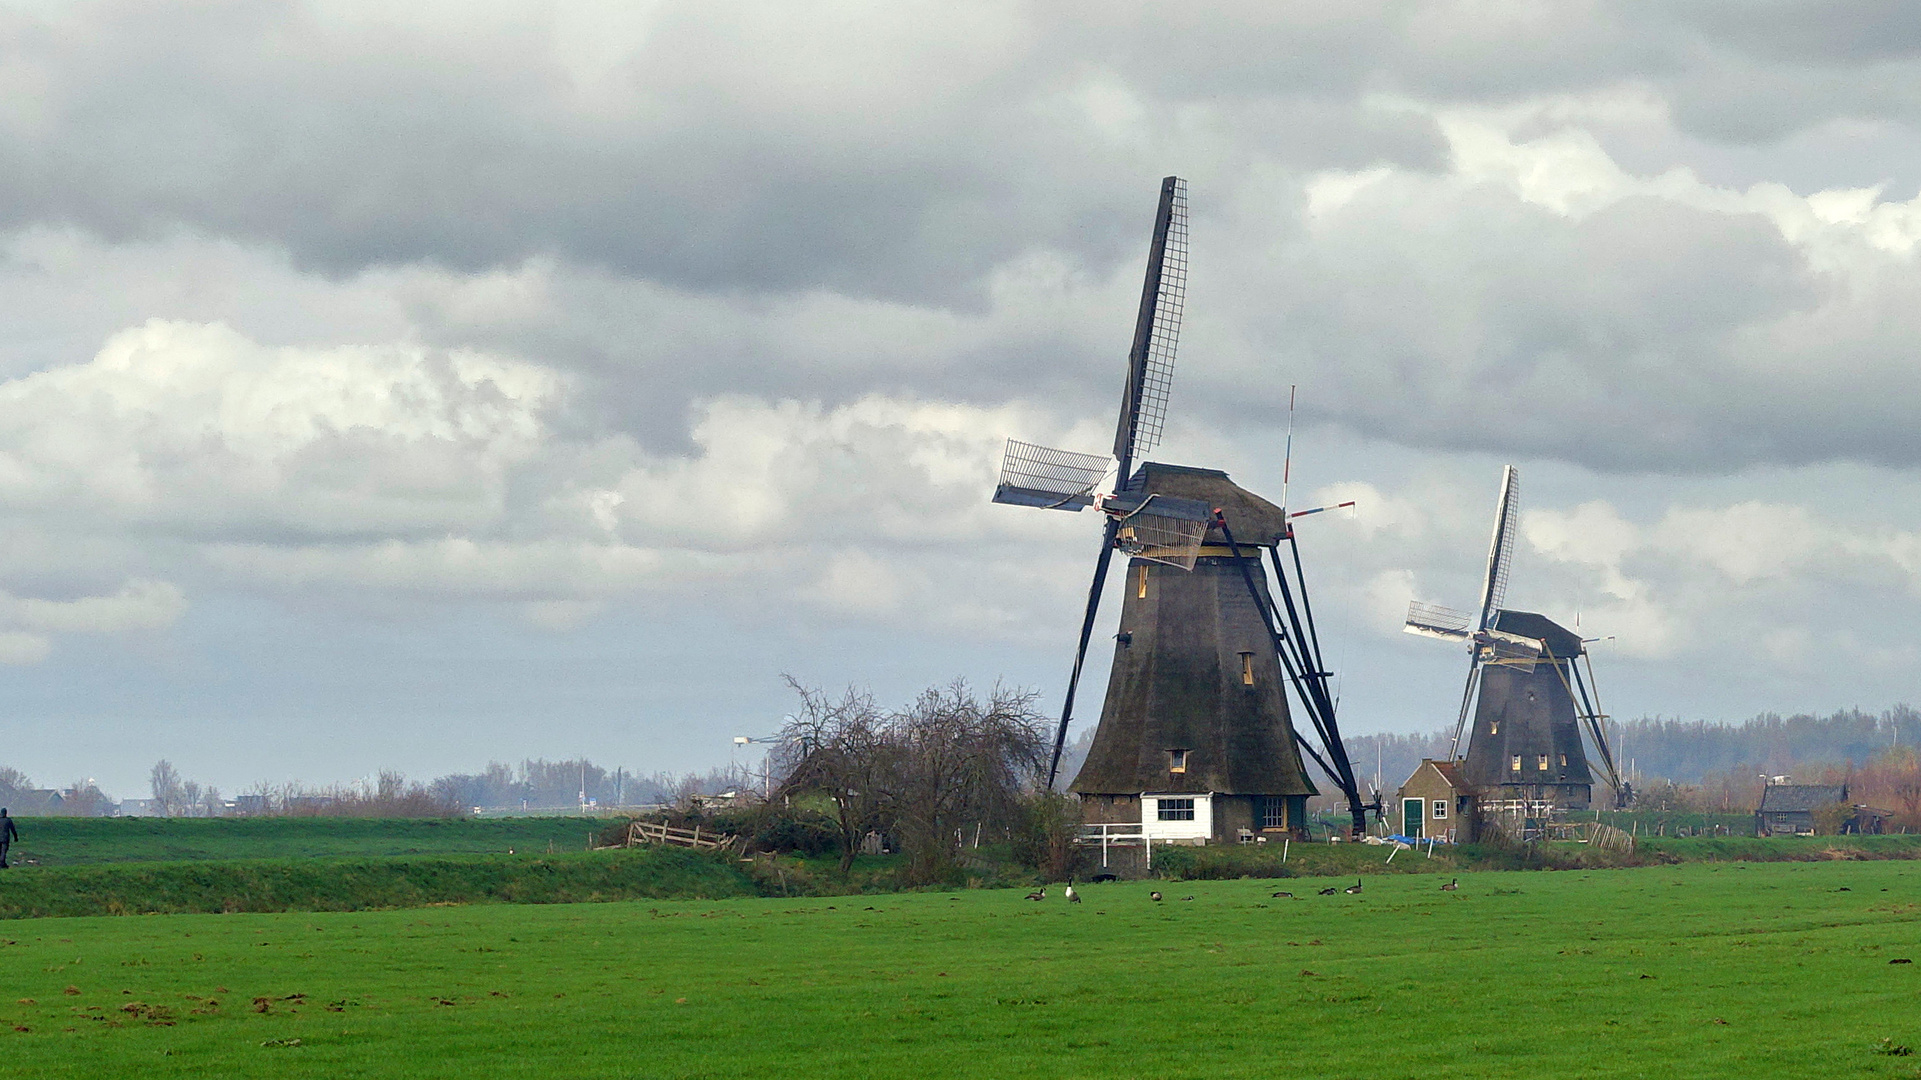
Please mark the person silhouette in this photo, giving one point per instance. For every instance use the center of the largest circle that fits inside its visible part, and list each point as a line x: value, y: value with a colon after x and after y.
x: 9, y: 832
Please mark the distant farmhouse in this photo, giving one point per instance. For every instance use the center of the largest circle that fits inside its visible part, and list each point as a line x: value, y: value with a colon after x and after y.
x: 1795, y: 809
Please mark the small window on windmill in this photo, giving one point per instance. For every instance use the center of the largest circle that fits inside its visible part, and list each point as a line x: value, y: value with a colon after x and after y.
x: 1140, y: 583
x: 1177, y: 761
x: 1514, y: 763
x: 1493, y: 727
x: 1563, y: 761
x: 1166, y: 530
x: 1540, y: 762
x: 1247, y: 669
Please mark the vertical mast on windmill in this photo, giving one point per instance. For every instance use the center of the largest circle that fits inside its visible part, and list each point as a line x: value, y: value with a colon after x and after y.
x: 1195, y: 740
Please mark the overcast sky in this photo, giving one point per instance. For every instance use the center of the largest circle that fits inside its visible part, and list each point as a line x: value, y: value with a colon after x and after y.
x: 413, y: 385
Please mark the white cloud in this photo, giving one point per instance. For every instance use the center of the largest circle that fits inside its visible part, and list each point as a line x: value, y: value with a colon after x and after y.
x: 190, y: 427
x: 28, y: 624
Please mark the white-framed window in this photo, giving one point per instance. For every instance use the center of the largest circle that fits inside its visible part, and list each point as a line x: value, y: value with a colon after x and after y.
x: 1174, y: 809
x: 1177, y: 762
x: 1440, y: 810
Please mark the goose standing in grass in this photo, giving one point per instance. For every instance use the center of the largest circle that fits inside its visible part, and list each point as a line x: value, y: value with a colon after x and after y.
x: 1354, y: 888
x: 1452, y: 885
x: 1072, y: 896
x: 1038, y: 894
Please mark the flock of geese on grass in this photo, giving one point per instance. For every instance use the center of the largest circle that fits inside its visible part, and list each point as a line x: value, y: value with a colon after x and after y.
x: 1352, y: 890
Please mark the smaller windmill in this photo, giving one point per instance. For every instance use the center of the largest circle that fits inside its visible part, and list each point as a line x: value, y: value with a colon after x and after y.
x: 1525, y: 689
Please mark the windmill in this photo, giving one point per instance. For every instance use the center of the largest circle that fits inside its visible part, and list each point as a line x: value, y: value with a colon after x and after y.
x: 1525, y: 688
x: 1196, y: 740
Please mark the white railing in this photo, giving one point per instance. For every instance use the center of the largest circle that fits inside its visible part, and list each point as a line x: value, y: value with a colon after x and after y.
x: 1117, y: 834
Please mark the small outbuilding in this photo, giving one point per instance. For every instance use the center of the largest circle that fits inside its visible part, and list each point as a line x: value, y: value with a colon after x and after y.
x: 1436, y: 803
x: 1789, y: 809
x: 1866, y: 820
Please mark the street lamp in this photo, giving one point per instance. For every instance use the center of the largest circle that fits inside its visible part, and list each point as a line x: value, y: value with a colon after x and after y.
x: 766, y: 761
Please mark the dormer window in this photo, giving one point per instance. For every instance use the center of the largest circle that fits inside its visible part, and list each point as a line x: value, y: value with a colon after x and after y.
x: 1177, y: 761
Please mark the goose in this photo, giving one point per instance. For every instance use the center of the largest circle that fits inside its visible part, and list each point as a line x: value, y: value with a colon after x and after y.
x: 1283, y: 896
x: 1072, y: 896
x: 1155, y: 896
x: 1452, y: 885
x: 1354, y: 888
x: 1187, y: 898
x: 1329, y: 891
x: 1038, y: 894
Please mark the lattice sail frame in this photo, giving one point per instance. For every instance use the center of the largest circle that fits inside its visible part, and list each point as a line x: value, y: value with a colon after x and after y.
x: 1042, y: 476
x: 1157, y: 382
x: 1165, y: 530
x: 1433, y: 620
x: 1500, y: 557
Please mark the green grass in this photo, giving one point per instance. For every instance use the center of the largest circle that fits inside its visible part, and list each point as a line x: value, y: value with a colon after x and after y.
x: 354, y: 884
x: 56, y: 841
x: 1699, y: 970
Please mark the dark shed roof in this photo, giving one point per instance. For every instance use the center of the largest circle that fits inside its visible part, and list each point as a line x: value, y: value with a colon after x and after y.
x: 1451, y: 772
x: 1800, y: 798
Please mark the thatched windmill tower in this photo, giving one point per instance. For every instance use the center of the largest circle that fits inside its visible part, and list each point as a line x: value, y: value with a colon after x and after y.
x: 1196, y: 739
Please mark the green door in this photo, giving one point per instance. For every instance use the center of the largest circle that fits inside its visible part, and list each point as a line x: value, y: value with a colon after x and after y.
x: 1411, y: 818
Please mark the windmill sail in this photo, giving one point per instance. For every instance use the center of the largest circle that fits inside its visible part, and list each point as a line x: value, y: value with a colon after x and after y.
x: 1157, y: 330
x: 1500, y: 555
x: 1433, y: 620
x: 1166, y: 530
x: 1034, y: 475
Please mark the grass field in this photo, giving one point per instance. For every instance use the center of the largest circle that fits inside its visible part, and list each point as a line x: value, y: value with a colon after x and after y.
x: 1701, y: 970
x: 348, y: 883
x: 58, y: 841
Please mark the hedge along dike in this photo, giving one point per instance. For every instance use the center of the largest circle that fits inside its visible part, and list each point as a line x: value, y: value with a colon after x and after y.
x: 358, y: 884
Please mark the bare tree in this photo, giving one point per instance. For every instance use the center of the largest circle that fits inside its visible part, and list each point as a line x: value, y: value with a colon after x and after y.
x: 963, y: 766
x: 169, y: 795
x: 947, y: 767
x: 838, y: 749
x: 84, y: 799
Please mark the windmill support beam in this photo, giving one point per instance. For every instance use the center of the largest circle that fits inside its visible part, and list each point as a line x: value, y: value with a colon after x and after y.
x: 1591, y: 713
x: 1080, y: 654
x: 1307, y: 675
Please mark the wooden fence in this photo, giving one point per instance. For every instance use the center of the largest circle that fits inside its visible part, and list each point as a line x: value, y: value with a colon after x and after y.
x: 656, y: 832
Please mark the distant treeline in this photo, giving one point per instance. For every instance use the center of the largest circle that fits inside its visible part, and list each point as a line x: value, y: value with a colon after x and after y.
x: 541, y: 783
x: 533, y: 784
x: 1690, y: 751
